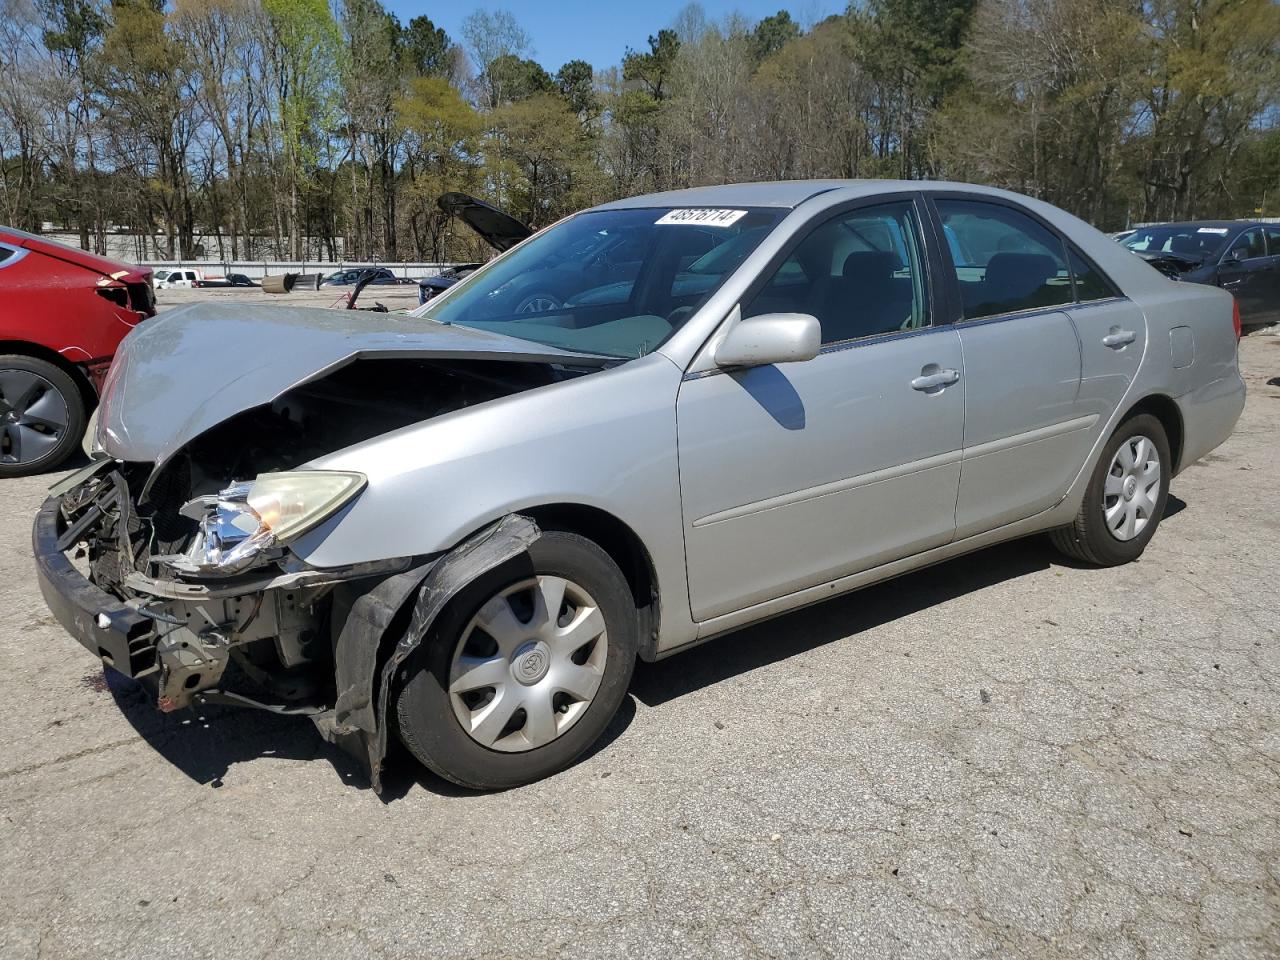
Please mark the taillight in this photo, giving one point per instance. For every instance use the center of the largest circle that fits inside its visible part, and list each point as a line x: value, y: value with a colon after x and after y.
x: 1235, y: 317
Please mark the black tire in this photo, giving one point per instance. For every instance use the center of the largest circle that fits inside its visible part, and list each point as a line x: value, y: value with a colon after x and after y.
x: 1087, y: 538
x: 68, y: 438
x: 427, y: 724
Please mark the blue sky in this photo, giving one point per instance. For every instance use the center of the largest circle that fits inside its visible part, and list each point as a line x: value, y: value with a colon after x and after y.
x: 600, y: 31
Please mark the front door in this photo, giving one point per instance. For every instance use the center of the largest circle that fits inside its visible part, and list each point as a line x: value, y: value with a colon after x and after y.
x: 1246, y: 271
x: 797, y: 474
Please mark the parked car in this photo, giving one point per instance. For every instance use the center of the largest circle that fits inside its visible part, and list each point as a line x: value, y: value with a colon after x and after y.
x: 461, y: 528
x: 230, y: 280
x: 1121, y: 235
x: 184, y: 278
x: 62, y: 314
x: 350, y: 275
x: 498, y: 229
x: 1237, y: 255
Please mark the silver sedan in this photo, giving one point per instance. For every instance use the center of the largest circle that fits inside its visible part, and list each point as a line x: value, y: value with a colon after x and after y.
x: 462, y: 527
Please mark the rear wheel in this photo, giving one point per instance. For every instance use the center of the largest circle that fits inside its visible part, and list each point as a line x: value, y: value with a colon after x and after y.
x: 524, y: 670
x: 1125, y: 498
x: 42, y: 415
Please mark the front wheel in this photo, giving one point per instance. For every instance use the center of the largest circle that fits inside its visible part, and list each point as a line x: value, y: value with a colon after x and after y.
x: 42, y: 415
x: 1125, y: 498
x: 525, y: 668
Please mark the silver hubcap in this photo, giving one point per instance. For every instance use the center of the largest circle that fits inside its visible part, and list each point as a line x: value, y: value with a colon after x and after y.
x: 33, y: 416
x: 528, y: 664
x: 1132, y: 488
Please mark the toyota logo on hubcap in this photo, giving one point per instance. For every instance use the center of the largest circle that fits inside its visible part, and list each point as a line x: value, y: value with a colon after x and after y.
x: 531, y: 663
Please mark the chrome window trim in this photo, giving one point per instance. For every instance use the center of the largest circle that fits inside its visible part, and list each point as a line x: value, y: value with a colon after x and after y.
x: 19, y: 253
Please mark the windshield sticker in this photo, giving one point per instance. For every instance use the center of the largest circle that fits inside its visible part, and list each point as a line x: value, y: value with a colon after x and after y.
x: 703, y: 218
x: 1220, y: 231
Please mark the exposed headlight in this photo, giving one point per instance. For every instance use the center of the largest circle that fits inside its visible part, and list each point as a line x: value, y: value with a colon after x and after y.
x: 242, y: 524
x: 291, y: 503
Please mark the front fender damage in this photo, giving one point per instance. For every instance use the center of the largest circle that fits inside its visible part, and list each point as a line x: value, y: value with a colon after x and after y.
x: 364, y: 671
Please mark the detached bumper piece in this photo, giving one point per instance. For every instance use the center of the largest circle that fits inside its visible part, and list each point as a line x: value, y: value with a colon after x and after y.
x: 107, y: 628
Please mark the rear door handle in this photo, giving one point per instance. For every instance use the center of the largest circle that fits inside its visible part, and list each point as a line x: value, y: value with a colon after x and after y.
x: 1118, y: 338
x: 935, y: 380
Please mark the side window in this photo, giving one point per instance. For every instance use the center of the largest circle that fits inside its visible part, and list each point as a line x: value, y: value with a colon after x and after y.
x: 1004, y: 260
x: 1273, y: 241
x: 5, y: 253
x: 1249, y: 244
x: 861, y: 274
x: 1089, y: 283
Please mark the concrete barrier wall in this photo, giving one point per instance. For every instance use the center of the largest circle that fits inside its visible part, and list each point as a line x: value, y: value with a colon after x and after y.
x: 257, y: 269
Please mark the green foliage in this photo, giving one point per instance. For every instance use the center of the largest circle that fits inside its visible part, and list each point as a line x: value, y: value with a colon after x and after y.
x: 772, y: 33
x: 653, y: 69
x: 270, y: 122
x: 428, y: 51
x: 513, y: 79
x: 576, y: 83
x: 72, y: 27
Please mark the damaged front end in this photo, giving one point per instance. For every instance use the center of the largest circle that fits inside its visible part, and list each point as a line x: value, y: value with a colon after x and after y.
x: 321, y: 643
x: 180, y: 558
x: 199, y: 587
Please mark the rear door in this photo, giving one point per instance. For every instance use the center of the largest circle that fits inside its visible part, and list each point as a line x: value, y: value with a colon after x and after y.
x: 1113, y: 338
x: 1024, y: 438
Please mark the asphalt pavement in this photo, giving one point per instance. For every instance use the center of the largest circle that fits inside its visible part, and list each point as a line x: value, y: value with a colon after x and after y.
x: 1006, y: 755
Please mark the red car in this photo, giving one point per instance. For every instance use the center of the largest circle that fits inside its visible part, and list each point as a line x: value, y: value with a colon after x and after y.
x: 62, y: 313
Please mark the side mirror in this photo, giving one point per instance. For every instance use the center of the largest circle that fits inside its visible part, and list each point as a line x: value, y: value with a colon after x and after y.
x: 770, y: 338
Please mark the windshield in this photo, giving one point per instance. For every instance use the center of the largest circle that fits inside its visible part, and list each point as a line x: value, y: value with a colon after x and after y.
x: 610, y: 282
x: 1180, y: 240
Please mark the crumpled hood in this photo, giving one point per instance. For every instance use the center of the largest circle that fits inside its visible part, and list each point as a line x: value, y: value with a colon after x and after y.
x: 189, y: 369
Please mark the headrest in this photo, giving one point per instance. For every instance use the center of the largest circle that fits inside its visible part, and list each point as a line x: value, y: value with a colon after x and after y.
x: 1028, y: 270
x: 870, y: 265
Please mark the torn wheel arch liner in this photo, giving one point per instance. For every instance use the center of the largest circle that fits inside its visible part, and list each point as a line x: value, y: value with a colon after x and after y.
x: 365, y: 663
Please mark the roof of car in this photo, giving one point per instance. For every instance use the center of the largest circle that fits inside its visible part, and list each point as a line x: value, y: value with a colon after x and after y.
x: 785, y: 194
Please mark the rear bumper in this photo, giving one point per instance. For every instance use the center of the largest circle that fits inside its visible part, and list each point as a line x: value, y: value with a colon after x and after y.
x: 118, y: 634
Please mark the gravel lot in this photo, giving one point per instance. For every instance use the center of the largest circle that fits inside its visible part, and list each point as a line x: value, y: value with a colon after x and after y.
x: 1004, y: 755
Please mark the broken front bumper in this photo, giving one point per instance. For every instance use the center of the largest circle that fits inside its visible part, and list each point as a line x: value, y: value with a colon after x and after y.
x: 107, y: 628
x: 367, y: 650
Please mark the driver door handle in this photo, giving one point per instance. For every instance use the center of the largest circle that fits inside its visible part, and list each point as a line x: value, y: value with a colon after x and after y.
x: 1118, y: 338
x: 932, y: 381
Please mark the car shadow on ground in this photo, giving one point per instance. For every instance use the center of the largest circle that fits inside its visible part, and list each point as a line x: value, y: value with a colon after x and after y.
x: 205, y: 743
x: 73, y: 462
x: 837, y: 619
